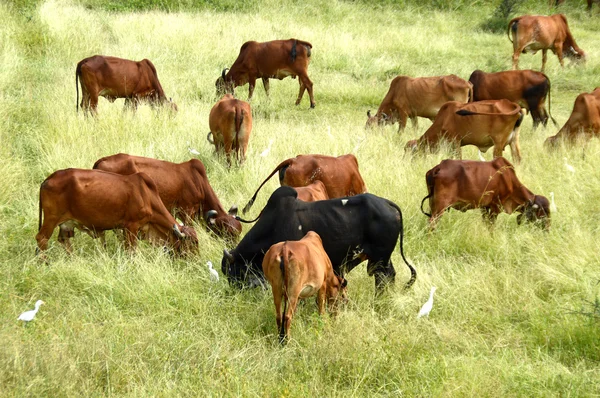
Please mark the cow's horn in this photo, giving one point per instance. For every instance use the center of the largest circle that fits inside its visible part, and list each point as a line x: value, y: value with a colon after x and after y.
x: 211, y: 216
x: 384, y: 116
x: 233, y: 210
x: 223, y: 73
x: 177, y: 232
x: 369, y: 113
x: 228, y: 256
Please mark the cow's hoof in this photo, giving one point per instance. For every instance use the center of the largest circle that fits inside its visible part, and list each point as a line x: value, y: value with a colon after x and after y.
x: 312, y: 106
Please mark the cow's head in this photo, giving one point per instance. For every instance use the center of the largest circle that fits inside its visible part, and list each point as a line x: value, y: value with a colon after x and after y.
x: 225, y: 225
x: 224, y: 84
x: 239, y: 273
x: 172, y: 106
x: 577, y: 56
x: 337, y: 292
x: 378, y: 119
x: 536, y: 211
x: 551, y: 142
x: 411, y: 146
x: 186, y: 239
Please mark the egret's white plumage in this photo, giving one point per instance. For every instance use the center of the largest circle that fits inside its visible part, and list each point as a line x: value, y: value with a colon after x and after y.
x: 480, y: 155
x: 568, y: 166
x: 214, y: 275
x: 268, y: 150
x: 193, y: 151
x: 552, y: 204
x: 426, y: 308
x: 29, y: 315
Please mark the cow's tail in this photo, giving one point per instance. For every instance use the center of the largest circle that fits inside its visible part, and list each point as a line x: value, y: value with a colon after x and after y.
x: 284, y: 164
x: 430, y: 184
x: 239, y: 119
x: 550, y: 101
x: 413, y: 272
x: 293, y: 53
x: 512, y: 26
x: 77, y: 73
x: 283, y: 256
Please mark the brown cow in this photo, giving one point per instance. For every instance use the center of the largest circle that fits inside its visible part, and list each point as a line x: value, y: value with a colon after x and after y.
x: 183, y: 188
x: 312, y: 192
x: 527, y: 88
x: 531, y: 33
x: 492, y: 187
x: 483, y: 124
x: 95, y: 201
x: 298, y: 270
x: 589, y: 4
x: 113, y: 78
x: 275, y: 59
x: 230, y: 123
x: 584, y: 121
x: 339, y: 175
x: 421, y: 96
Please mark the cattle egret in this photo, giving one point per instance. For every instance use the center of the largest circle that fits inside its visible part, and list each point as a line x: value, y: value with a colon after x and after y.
x: 480, y: 156
x: 29, y: 315
x: 568, y: 166
x: 552, y: 204
x: 214, y: 275
x: 426, y: 308
x: 193, y: 151
x: 266, y: 151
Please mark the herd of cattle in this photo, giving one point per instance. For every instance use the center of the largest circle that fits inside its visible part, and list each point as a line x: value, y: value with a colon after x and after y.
x: 321, y: 222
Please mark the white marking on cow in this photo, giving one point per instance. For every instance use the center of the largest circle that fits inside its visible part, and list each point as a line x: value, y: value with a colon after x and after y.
x: 344, y: 201
x: 299, y: 227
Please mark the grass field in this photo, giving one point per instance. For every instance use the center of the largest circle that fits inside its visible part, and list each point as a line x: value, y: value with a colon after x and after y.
x: 506, y: 319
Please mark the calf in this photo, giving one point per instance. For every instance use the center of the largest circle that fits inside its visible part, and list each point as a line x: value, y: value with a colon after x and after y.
x: 95, y: 201
x: 230, y: 122
x: 183, y: 188
x: 531, y: 33
x: 492, y: 187
x: 584, y: 121
x: 340, y: 175
x: 298, y: 270
x: 113, y: 78
x: 527, y: 88
x: 483, y: 124
x: 275, y: 59
x: 421, y: 96
x: 312, y: 192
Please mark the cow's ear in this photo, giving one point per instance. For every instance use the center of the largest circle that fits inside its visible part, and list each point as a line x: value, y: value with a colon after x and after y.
x: 344, y: 283
x: 384, y: 116
x: 211, y: 216
x: 369, y: 113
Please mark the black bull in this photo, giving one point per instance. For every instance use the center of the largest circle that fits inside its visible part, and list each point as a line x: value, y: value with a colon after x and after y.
x: 353, y: 229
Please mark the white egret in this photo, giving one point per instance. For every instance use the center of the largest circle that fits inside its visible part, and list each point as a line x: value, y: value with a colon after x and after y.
x: 426, y: 308
x: 214, y: 275
x: 29, y: 315
x: 552, y: 204
x: 266, y: 151
x: 568, y: 166
x: 193, y: 151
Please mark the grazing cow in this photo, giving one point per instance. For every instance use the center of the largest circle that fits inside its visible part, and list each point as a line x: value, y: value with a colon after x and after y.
x: 483, y: 124
x: 340, y: 175
x: 312, y: 192
x: 421, y: 96
x: 298, y: 270
x: 527, y: 88
x: 531, y: 33
x: 353, y: 229
x: 275, y: 59
x: 230, y: 123
x: 113, y: 78
x: 492, y: 187
x: 589, y: 4
x: 183, y: 188
x: 95, y: 201
x: 584, y: 121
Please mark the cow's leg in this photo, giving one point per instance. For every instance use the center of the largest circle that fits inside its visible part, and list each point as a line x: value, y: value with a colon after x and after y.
x: 65, y: 234
x: 251, y: 84
x: 415, y: 122
x: 489, y: 214
x: 559, y: 53
x: 402, y: 119
x: 44, y: 234
x: 515, y: 57
x: 277, y: 296
x: 321, y: 295
x: 385, y: 275
x: 228, y: 143
x: 308, y: 85
x: 301, y: 93
x: 94, y: 103
x: 291, y: 310
x: 265, y: 81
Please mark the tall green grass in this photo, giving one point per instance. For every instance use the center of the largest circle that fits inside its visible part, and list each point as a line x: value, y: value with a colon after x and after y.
x: 144, y: 324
